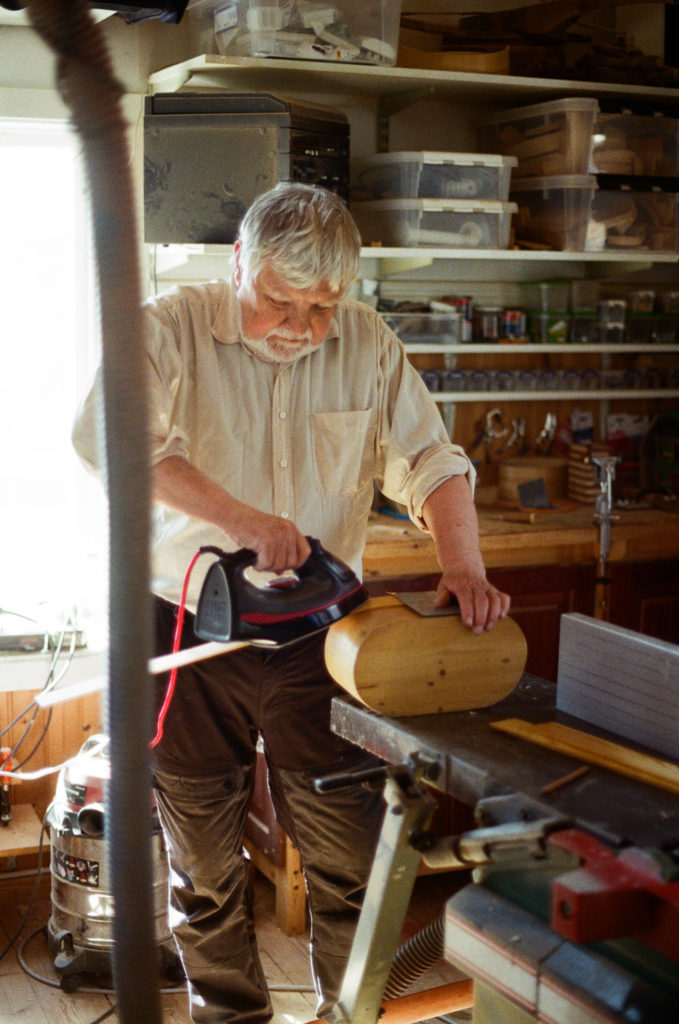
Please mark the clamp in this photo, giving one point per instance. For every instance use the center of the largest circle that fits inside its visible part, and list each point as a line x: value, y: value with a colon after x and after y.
x: 511, y: 826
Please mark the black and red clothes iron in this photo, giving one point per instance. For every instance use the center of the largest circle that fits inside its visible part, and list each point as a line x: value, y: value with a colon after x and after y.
x: 230, y: 607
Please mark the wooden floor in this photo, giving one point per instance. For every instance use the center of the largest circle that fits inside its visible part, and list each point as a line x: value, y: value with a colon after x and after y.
x: 27, y: 1000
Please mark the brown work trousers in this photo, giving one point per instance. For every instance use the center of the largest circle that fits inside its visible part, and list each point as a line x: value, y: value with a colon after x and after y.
x: 204, y: 775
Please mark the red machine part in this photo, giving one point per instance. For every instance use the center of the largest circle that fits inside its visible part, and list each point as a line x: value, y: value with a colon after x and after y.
x: 614, y: 894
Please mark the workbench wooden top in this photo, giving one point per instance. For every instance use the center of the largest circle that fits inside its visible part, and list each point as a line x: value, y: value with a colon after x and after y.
x: 395, y: 547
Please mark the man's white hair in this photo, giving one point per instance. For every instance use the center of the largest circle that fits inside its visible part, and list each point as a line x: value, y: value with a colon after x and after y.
x: 305, y: 233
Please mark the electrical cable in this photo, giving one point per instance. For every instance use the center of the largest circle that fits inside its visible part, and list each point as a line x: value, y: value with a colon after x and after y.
x: 51, y: 680
x: 49, y: 683
x: 176, y: 643
x: 103, y: 991
x: 34, y: 894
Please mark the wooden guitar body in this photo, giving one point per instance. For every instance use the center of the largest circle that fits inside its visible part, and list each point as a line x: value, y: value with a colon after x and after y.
x: 401, y: 663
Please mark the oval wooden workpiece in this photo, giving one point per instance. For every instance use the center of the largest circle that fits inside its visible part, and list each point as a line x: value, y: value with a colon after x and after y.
x: 400, y: 663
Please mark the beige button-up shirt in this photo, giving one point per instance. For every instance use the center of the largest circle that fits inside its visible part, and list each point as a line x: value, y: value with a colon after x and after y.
x: 305, y: 441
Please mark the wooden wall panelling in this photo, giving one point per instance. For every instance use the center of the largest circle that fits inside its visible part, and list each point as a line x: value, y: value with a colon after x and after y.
x: 66, y: 726
x: 644, y: 596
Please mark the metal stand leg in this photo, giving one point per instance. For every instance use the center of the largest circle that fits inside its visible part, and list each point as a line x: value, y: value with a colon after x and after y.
x: 390, y: 885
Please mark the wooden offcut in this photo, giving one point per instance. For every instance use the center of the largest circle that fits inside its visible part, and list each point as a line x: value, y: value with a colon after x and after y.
x: 400, y: 663
x: 617, y: 758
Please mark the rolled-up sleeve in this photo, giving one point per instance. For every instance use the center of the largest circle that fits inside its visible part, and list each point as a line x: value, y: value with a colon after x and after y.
x: 168, y: 434
x: 415, y: 454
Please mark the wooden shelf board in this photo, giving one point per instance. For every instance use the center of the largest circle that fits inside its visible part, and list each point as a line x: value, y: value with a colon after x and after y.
x: 22, y: 834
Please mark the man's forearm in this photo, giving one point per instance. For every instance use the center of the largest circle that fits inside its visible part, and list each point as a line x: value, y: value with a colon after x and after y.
x: 277, y: 542
x: 450, y: 516
x: 181, y: 486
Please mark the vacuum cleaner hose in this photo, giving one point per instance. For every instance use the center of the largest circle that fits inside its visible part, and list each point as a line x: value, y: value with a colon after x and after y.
x: 420, y: 952
x: 84, y: 76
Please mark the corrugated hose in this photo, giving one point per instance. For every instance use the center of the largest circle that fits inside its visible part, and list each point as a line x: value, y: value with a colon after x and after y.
x: 85, y: 79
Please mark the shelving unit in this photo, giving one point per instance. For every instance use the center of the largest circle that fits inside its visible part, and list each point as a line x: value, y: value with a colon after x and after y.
x: 387, y: 90
x: 214, y: 71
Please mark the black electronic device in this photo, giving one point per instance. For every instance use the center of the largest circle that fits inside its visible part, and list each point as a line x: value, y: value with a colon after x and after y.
x: 230, y: 607
x: 207, y: 156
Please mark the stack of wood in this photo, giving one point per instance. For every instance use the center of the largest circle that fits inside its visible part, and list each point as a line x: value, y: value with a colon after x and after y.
x: 583, y: 484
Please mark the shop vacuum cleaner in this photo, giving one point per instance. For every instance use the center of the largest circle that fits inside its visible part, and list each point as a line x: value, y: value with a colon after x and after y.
x: 80, y: 929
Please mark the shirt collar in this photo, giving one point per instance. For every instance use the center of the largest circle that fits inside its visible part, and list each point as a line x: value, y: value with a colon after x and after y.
x: 226, y: 325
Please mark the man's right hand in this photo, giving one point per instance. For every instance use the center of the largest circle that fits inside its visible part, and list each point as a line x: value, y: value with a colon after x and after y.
x: 276, y: 541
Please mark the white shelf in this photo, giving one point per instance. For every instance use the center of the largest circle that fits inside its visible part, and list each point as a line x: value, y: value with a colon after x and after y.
x: 596, y: 395
x: 198, y: 261
x: 322, y: 80
x: 214, y: 71
x: 495, y: 348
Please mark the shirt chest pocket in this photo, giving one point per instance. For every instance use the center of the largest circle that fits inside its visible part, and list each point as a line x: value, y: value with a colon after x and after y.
x: 343, y: 446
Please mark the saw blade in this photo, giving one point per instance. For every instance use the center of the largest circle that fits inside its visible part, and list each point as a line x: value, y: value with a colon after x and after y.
x: 422, y: 602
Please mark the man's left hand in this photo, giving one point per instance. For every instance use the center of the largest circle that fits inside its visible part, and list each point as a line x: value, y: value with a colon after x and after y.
x: 481, y: 604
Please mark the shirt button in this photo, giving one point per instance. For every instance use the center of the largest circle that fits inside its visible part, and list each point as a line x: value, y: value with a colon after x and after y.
x: 285, y: 515
x: 283, y: 415
x: 283, y: 463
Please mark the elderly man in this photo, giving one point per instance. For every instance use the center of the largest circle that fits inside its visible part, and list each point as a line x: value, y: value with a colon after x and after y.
x: 276, y: 403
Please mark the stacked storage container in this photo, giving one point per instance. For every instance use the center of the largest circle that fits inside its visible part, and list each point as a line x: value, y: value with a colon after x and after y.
x: 591, y: 177
x: 635, y: 156
x: 447, y: 200
x: 551, y: 185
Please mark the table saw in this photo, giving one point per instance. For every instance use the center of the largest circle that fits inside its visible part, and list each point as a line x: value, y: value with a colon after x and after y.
x: 573, y: 914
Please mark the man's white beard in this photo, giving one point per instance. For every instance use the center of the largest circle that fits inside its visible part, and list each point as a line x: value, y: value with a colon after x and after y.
x: 273, y: 348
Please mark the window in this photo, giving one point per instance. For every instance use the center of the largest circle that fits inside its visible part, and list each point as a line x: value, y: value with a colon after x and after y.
x: 53, y: 520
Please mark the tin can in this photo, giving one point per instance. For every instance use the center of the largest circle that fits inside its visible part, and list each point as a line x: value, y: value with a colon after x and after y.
x: 513, y: 324
x: 487, y: 323
x: 464, y: 305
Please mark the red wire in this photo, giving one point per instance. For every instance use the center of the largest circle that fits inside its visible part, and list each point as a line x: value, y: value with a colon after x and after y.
x: 179, y: 626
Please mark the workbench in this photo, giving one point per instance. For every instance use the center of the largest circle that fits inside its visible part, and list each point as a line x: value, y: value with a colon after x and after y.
x: 549, y: 568
x: 498, y: 929
x: 476, y: 762
x: 395, y: 547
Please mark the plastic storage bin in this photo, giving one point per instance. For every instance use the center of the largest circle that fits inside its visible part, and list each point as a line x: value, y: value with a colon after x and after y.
x: 546, y: 138
x: 342, y: 30
x: 629, y: 219
x: 430, y: 175
x: 435, y: 222
x: 633, y: 143
x: 425, y: 328
x: 554, y: 212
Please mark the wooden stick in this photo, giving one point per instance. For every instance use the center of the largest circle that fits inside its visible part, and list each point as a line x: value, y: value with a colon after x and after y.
x: 510, y: 517
x: 434, y: 1002
x: 586, y: 747
x: 551, y: 787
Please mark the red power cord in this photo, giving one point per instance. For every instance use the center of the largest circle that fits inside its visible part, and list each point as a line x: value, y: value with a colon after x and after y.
x: 179, y: 626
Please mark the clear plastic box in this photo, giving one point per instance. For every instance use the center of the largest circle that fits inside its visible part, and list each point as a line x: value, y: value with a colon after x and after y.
x: 435, y: 222
x: 629, y: 143
x: 631, y: 220
x: 553, y: 212
x: 432, y: 175
x: 341, y: 30
x: 425, y: 328
x: 547, y: 138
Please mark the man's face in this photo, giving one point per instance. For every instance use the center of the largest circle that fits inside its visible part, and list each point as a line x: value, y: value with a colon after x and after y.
x: 285, y: 322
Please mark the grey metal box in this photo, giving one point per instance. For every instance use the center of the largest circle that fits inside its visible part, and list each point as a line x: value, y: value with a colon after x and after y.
x: 207, y: 156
